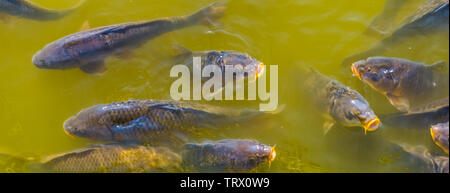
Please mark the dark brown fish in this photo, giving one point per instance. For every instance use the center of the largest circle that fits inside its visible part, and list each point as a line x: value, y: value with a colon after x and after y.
x: 227, y: 155
x: 405, y: 83
x: 440, y: 134
x: 339, y: 103
x: 113, y: 159
x: 88, y: 49
x: 26, y: 9
x: 153, y: 121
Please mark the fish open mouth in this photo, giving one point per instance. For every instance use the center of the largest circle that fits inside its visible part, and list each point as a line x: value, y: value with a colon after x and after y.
x: 260, y: 71
x: 372, y: 125
x: 355, y: 71
x: 433, y: 136
x: 69, y: 134
x: 272, y: 155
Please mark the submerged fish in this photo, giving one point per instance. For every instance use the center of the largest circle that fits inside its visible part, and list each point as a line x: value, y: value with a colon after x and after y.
x: 383, y: 22
x: 152, y: 121
x: 405, y: 83
x: 339, y: 103
x: 432, y: 17
x: 421, y: 117
x: 425, y: 160
x: 113, y: 159
x: 88, y: 49
x: 227, y: 155
x: 440, y: 134
x: 25, y: 9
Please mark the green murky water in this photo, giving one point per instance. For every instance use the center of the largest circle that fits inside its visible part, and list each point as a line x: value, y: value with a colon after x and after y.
x: 34, y: 103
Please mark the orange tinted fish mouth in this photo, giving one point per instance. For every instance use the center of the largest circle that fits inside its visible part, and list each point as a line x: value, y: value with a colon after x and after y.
x: 68, y: 134
x: 355, y: 71
x: 372, y: 125
x: 272, y: 155
x: 260, y: 70
x: 433, y: 136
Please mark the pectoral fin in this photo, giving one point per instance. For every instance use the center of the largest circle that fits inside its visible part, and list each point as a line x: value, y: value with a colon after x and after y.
x: 97, y: 67
x: 327, y: 126
x: 401, y: 103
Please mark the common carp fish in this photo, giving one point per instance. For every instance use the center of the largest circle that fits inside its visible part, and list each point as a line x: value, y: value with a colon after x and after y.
x: 439, y: 133
x: 405, y: 83
x: 87, y: 50
x: 113, y: 159
x: 151, y: 121
x: 339, y: 103
x: 227, y: 155
x: 240, y: 67
x: 430, y: 18
x: 246, y: 66
x: 26, y: 9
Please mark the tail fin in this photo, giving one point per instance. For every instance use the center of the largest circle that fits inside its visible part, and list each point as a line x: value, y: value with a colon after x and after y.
x: 208, y: 15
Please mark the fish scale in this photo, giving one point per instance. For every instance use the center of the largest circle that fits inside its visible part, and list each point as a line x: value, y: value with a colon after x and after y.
x: 152, y: 121
x: 114, y: 158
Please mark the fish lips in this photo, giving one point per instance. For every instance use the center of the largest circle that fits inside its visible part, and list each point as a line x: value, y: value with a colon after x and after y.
x: 356, y: 68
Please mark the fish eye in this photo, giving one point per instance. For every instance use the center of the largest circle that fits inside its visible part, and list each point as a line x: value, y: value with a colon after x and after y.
x: 374, y: 77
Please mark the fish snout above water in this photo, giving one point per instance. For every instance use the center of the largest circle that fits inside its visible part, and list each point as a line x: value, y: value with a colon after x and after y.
x: 405, y: 83
x: 227, y: 155
x: 378, y: 74
x: 354, y: 111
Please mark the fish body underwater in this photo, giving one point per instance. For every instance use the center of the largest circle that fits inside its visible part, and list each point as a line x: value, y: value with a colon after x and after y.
x: 339, y: 103
x: 432, y: 17
x: 425, y: 160
x: 421, y: 117
x: 405, y: 83
x: 439, y: 133
x: 25, y: 9
x: 87, y: 50
x: 113, y: 159
x: 227, y: 155
x: 153, y: 121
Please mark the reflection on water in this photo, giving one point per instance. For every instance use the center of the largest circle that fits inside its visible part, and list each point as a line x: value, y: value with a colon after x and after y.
x: 34, y: 102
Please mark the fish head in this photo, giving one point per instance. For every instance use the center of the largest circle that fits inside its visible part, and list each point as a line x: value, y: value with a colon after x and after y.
x: 54, y: 56
x: 88, y: 124
x: 354, y: 111
x: 440, y: 135
x: 243, y: 65
x: 382, y: 74
x: 253, y: 151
